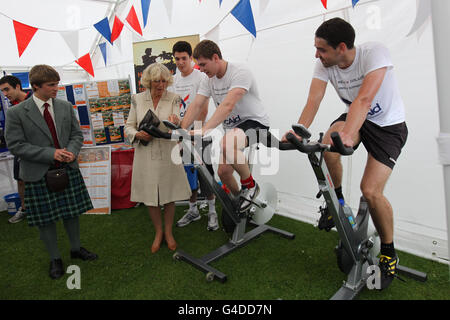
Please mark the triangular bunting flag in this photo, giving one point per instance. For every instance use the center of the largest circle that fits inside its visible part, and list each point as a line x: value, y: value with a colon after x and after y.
x: 117, y: 29
x: 133, y: 21
x: 71, y: 39
x: 213, y: 34
x: 103, y: 50
x: 169, y: 6
x: 103, y: 27
x: 354, y: 2
x: 423, y: 12
x: 118, y: 45
x: 243, y: 13
x: 220, y: 3
x: 24, y: 34
x: 324, y: 2
x: 263, y: 5
x: 145, y: 5
x: 86, y: 63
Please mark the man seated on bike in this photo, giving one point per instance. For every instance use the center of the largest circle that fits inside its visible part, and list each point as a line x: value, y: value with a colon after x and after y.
x: 239, y: 109
x: 364, y: 80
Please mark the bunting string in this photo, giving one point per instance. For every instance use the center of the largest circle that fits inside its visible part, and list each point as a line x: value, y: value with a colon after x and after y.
x: 111, y: 27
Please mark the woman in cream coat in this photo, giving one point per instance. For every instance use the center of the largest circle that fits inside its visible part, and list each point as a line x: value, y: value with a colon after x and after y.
x: 158, y: 175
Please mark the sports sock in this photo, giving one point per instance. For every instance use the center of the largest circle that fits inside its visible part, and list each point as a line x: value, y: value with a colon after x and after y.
x: 387, y: 249
x: 339, y: 193
x: 248, y: 183
x: 192, y: 205
x: 212, y: 205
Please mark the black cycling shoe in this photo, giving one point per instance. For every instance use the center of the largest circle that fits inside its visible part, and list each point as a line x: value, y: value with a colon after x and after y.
x: 326, y: 220
x: 388, y: 270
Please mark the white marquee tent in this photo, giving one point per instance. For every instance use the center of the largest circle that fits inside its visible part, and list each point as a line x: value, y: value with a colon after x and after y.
x: 282, y: 58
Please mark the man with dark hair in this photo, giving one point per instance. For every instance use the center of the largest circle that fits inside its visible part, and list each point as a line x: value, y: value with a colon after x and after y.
x: 364, y: 80
x: 335, y: 31
x: 186, y: 83
x: 44, y: 132
x: 239, y: 109
x: 11, y: 88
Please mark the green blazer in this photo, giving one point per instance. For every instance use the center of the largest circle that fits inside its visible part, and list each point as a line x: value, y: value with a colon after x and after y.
x: 28, y: 136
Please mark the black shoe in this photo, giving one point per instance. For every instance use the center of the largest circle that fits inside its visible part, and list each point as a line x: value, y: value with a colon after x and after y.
x: 83, y: 254
x: 388, y: 270
x: 326, y: 219
x: 56, y: 269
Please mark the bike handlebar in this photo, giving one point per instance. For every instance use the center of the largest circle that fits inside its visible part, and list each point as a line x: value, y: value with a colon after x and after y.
x: 265, y: 137
x: 157, y: 133
x: 319, y: 147
x: 338, y: 146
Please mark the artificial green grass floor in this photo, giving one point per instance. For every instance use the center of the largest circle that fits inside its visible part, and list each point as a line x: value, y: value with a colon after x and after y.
x: 270, y: 267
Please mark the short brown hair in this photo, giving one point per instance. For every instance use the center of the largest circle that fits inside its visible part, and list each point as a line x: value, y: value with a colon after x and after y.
x: 206, y: 49
x: 42, y: 73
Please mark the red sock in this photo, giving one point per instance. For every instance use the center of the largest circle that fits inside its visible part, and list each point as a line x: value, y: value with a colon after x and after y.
x: 248, y: 183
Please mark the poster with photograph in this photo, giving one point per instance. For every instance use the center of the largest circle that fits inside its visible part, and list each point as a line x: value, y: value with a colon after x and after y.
x: 148, y: 52
x: 95, y: 167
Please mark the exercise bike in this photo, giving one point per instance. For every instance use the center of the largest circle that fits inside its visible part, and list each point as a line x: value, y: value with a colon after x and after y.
x: 358, y: 246
x: 234, y: 222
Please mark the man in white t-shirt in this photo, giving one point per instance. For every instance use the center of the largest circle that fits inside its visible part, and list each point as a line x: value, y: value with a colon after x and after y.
x: 238, y: 108
x: 186, y: 83
x: 364, y: 80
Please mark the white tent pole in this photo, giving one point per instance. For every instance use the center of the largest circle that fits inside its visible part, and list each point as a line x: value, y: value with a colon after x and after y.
x: 440, y: 10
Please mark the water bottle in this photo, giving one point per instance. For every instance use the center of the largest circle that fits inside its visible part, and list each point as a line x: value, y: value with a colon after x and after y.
x: 348, y: 212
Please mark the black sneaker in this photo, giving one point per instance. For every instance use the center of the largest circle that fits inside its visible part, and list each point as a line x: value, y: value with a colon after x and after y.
x: 388, y: 270
x: 326, y: 219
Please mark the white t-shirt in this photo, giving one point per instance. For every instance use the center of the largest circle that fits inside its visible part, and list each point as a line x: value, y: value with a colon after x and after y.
x: 387, y: 107
x: 249, y: 107
x: 186, y: 88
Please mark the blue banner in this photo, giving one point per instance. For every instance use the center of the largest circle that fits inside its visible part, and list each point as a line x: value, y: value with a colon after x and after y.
x: 23, y: 77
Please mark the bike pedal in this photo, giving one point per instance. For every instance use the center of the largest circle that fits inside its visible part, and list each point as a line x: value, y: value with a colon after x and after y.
x: 326, y: 220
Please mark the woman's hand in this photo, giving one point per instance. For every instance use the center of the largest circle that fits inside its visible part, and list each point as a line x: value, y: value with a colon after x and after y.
x: 144, y: 136
x: 174, y: 119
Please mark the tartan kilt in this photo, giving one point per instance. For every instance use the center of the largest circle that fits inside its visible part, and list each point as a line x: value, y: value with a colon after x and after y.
x: 44, y: 207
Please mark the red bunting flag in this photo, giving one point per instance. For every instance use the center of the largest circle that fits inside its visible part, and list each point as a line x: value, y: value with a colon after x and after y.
x: 86, y: 63
x: 117, y: 29
x: 24, y: 34
x: 132, y: 19
x: 324, y: 2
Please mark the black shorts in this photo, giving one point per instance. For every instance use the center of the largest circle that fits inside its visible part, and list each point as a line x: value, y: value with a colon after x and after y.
x: 252, y: 135
x: 383, y: 143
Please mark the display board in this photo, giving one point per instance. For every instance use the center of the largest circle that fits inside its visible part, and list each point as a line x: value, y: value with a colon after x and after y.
x: 95, y: 167
x: 102, y: 109
x: 147, y: 52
